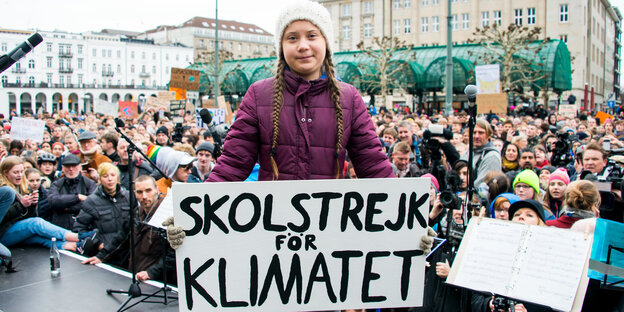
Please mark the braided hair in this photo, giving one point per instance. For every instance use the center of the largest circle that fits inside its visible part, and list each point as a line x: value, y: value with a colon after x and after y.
x: 278, y: 101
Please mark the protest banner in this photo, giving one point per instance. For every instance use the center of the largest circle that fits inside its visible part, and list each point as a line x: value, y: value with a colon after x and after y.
x: 26, y: 128
x: 301, y: 245
x: 128, y: 109
x: 218, y: 117
x: 538, y: 264
x: 184, y: 78
x: 488, y: 78
x: 492, y: 103
x: 105, y: 108
x: 567, y: 110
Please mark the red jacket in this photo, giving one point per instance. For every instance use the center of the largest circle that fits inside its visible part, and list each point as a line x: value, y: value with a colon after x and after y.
x: 564, y: 222
x: 307, y: 139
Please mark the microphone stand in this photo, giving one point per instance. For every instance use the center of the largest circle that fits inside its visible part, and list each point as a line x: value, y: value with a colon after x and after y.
x: 134, y: 291
x: 472, y: 112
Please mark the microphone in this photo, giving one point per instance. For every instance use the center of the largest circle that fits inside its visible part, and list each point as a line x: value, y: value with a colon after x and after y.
x: 119, y: 123
x: 205, y: 116
x: 471, y: 91
x: 9, y: 59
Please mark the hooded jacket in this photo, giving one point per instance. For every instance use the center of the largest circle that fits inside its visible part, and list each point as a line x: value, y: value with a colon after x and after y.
x: 485, y: 159
x: 307, y: 134
x: 512, y: 198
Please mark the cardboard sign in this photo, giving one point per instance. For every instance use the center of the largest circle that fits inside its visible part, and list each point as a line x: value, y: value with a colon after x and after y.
x: 128, y: 109
x: 105, y: 108
x: 495, y: 103
x: 539, y: 264
x: 488, y: 78
x: 26, y: 128
x: 301, y: 245
x: 176, y: 106
x: 603, y: 117
x: 184, y: 78
x: 567, y: 110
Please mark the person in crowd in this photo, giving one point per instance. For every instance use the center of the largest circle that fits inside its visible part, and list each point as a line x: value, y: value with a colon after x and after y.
x: 581, y: 201
x: 71, y: 143
x: 510, y: 157
x: 107, y: 209
x: 496, y: 183
x: 57, y: 134
x: 141, y: 167
x: 162, y: 137
x: 89, y: 155
x: 556, y: 187
x: 16, y: 148
x: 108, y: 144
x: 532, y: 135
x: 204, y: 164
x: 150, y: 262
x: 401, y: 164
x: 541, y: 156
x: 486, y: 157
x: 31, y: 183
x: 389, y: 138
x: 47, y: 164
x: 20, y: 223
x: 406, y: 135
x: 499, y: 208
x: 461, y: 168
x: 175, y: 165
x: 527, y: 159
x: 544, y: 175
x: 68, y: 193
x: 526, y: 186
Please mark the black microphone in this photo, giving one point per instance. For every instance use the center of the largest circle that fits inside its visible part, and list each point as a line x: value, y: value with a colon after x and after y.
x: 471, y: 91
x: 205, y: 116
x: 9, y: 59
x: 119, y: 123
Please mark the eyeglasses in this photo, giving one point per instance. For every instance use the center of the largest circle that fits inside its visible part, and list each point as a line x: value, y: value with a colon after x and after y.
x: 187, y: 167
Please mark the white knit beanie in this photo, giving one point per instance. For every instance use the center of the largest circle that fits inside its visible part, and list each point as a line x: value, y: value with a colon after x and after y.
x: 307, y: 10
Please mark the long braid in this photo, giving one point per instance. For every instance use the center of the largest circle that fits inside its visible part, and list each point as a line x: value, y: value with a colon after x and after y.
x: 278, y: 100
x: 334, y: 89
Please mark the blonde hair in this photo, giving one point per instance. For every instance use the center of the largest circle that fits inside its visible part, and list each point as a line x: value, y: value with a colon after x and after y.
x: 278, y: 101
x: 7, y: 164
x: 24, y: 187
x: 582, y: 195
x: 106, y: 167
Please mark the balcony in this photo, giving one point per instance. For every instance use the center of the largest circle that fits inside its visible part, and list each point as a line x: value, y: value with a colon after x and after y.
x: 63, y: 70
x: 18, y: 70
x: 108, y: 73
x: 144, y: 75
x: 65, y: 54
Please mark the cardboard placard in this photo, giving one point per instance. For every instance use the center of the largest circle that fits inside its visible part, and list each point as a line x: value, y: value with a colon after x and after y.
x: 301, y: 245
x: 128, y: 109
x: 495, y: 103
x: 176, y: 106
x: 184, y: 78
x: 27, y: 129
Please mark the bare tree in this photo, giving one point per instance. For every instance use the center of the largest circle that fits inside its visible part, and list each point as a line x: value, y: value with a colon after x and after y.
x: 517, y: 49
x: 205, y: 61
x: 384, y: 72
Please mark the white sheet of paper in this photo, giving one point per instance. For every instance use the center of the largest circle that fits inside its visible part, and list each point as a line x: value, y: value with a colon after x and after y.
x: 164, y: 211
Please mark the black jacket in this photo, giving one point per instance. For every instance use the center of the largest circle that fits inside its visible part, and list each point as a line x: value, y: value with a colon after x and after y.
x: 105, y: 213
x: 63, y: 199
x: 139, y: 170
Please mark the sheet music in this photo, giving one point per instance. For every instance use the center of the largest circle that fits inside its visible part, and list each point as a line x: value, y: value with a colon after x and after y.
x: 164, y: 211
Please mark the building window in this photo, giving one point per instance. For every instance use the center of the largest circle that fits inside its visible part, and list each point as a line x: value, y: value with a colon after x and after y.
x: 94, y: 69
x: 346, y: 33
x: 103, y: 68
x: 153, y: 69
x: 407, y: 25
x: 563, y: 13
x: 424, y: 3
x: 518, y: 17
x: 80, y: 49
x: 143, y: 55
x: 49, y: 47
x: 31, y: 64
x: 435, y: 24
x: 346, y: 9
x: 424, y: 24
x: 396, y: 4
x: 132, y: 54
x: 49, y: 78
x: 564, y: 38
x: 132, y: 68
x: 498, y: 18
x: 465, y: 20
x: 531, y: 16
x: 177, y: 57
x: 31, y: 81
x: 4, y: 47
x: 103, y: 52
x: 167, y: 57
x: 454, y: 22
x: 143, y: 68
x: 396, y: 26
x: 153, y: 55
x: 407, y: 4
x: 94, y: 52
x: 118, y: 53
x: 435, y: 2
x: 49, y: 62
x: 79, y: 63
x: 118, y: 68
x: 367, y: 7
x: 79, y: 79
x: 62, y: 81
x: 5, y: 80
x: 485, y: 18
x: 368, y: 30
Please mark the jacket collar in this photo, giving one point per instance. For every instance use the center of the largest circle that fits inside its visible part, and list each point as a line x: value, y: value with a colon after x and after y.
x: 297, y: 85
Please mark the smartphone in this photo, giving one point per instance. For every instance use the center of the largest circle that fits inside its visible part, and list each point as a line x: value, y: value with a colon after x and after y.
x: 85, y: 166
x: 606, y: 144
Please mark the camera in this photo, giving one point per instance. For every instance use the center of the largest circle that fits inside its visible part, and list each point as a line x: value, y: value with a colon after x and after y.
x: 503, y: 304
x: 177, y: 130
x: 561, y: 156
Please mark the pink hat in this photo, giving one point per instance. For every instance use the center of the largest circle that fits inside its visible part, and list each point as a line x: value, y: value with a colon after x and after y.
x: 434, y: 181
x: 560, y: 174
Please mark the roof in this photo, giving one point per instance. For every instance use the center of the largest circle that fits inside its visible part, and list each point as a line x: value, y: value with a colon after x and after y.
x: 210, y: 23
x: 127, y: 33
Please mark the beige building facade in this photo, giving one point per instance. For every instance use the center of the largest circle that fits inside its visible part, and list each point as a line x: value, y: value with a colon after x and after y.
x: 591, y: 29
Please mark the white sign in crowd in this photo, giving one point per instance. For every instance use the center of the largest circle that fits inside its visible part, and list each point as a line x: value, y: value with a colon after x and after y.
x: 27, y: 129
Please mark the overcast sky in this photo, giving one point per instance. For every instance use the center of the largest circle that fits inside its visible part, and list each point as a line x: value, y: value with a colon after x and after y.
x: 84, y: 15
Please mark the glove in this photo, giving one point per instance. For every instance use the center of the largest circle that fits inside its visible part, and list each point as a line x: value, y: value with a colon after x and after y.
x: 426, y: 241
x: 175, y: 234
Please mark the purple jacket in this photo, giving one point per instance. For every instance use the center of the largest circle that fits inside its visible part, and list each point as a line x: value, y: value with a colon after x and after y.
x: 307, y: 140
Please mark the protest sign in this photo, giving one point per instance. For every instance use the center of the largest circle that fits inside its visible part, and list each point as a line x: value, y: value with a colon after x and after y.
x: 603, y: 117
x: 488, y: 78
x: 128, y: 109
x: 183, y: 78
x: 176, y: 106
x: 26, y: 128
x: 539, y: 264
x: 105, y: 108
x: 492, y: 103
x: 218, y: 117
x: 567, y: 110
x: 301, y: 245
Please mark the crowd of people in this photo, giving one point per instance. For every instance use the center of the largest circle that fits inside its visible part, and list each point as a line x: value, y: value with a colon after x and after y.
x: 541, y: 169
